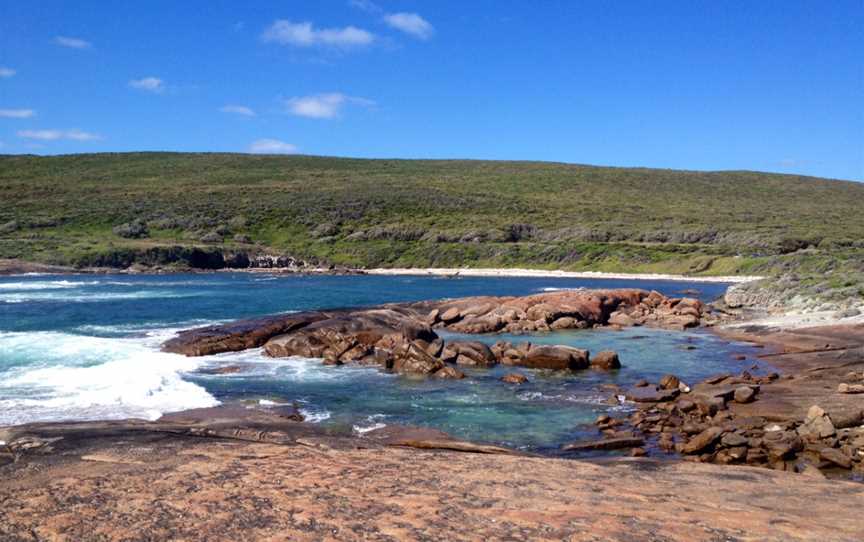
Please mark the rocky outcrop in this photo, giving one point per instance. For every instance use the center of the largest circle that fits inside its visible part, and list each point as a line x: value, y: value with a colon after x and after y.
x: 286, y: 481
x: 703, y: 425
x: 403, y: 337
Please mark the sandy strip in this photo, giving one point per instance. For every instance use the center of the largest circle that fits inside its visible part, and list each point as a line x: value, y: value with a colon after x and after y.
x: 466, y: 272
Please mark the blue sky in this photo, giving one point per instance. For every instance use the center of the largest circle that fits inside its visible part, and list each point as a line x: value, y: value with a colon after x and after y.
x: 770, y: 86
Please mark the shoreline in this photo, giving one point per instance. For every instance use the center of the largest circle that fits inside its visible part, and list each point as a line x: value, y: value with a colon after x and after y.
x: 544, y: 273
x: 122, y: 473
x: 13, y: 268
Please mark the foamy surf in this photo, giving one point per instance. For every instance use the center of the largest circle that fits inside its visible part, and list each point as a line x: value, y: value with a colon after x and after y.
x: 52, y: 376
x: 371, y: 424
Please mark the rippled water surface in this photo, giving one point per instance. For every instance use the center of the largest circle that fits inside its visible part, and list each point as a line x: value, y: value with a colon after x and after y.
x: 86, y: 347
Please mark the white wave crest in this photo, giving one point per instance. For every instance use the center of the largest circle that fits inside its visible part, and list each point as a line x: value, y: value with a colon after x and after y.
x: 372, y: 423
x: 60, y: 376
x: 45, y: 285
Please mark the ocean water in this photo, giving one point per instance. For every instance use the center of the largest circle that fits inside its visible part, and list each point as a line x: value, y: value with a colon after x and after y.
x: 87, y: 347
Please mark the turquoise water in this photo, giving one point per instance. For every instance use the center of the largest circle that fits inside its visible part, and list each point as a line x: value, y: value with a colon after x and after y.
x: 87, y: 347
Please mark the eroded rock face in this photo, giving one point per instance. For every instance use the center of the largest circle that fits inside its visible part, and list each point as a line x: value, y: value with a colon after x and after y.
x: 402, y: 337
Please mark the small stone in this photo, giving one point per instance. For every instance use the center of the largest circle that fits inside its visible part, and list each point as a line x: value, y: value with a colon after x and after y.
x: 702, y: 441
x: 449, y: 372
x: 732, y: 440
x: 638, y: 452
x: 514, y: 378
x: 716, y: 379
x: 738, y: 453
x: 602, y: 419
x: 850, y: 388
x: 811, y: 471
x: 836, y: 457
x: 641, y: 383
x: 745, y: 394
x: 685, y: 405
x: 648, y: 395
x: 669, y: 382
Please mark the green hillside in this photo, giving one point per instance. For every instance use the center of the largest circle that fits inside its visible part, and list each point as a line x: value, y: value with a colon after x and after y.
x: 88, y: 209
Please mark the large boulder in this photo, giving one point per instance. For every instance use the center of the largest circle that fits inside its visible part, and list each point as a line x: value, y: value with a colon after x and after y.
x: 606, y: 360
x: 411, y: 358
x: 555, y: 357
x: 473, y: 353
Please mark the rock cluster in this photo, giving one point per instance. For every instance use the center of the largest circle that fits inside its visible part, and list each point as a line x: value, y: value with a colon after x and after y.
x: 403, y: 338
x: 699, y: 425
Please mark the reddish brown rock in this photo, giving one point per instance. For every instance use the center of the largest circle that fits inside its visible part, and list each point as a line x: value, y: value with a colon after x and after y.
x: 473, y: 353
x: 514, y: 378
x: 650, y: 395
x: 669, y: 382
x: 606, y: 360
x: 836, y: 457
x: 412, y: 359
x: 745, y: 394
x: 702, y: 441
x: 555, y: 357
x: 451, y: 373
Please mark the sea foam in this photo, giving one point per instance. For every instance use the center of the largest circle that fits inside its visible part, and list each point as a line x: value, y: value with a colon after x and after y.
x: 53, y: 376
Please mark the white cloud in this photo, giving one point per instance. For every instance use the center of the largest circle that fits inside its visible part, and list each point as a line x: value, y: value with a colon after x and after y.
x: 73, y: 43
x: 238, y: 110
x: 272, y: 146
x: 54, y: 135
x: 323, y: 106
x: 366, y: 5
x: 6, y: 72
x: 305, y: 35
x: 17, y: 113
x: 150, y: 84
x: 410, y: 23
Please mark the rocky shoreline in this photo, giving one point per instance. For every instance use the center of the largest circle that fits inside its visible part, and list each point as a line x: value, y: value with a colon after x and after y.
x: 726, y: 419
x: 403, y: 337
x: 806, y: 420
x: 232, y: 474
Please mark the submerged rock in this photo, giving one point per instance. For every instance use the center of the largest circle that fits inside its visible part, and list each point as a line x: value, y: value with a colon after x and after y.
x: 514, y: 378
x: 604, y: 444
x: 450, y: 373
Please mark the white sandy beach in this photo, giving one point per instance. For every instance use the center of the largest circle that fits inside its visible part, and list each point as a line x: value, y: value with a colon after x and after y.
x: 492, y: 272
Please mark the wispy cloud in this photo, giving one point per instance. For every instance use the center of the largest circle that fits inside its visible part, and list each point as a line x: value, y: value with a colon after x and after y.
x: 54, y: 135
x: 323, y: 106
x: 237, y: 110
x: 305, y: 35
x: 72, y: 43
x: 6, y: 72
x: 272, y: 146
x: 149, y: 84
x: 17, y: 113
x: 366, y: 5
x: 410, y: 23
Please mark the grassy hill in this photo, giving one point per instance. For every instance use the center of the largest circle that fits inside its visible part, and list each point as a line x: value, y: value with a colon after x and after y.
x: 87, y: 209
